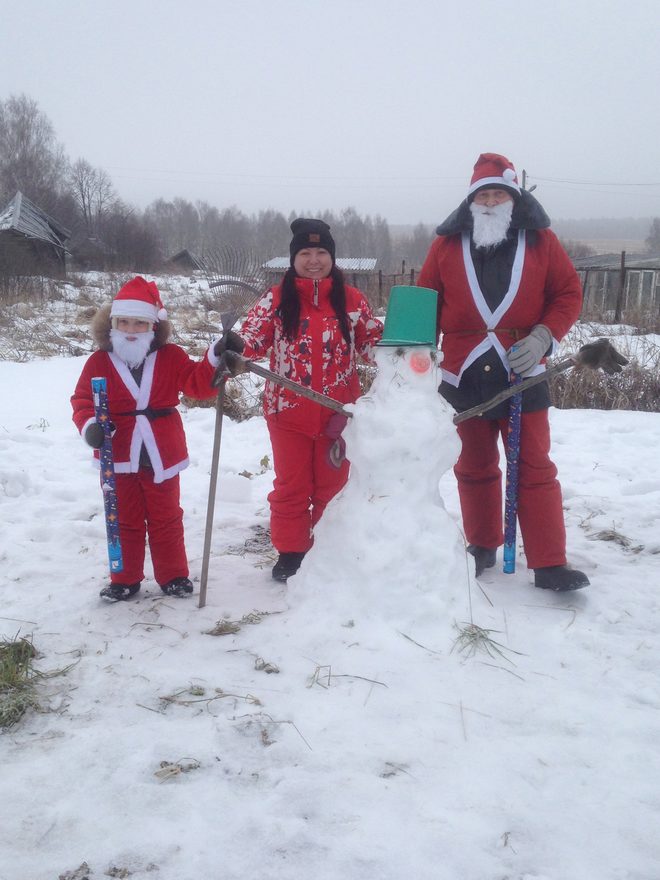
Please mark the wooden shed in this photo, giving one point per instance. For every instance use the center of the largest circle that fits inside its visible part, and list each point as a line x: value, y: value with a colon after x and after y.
x: 185, y: 261
x: 31, y: 242
x: 354, y: 268
x: 620, y: 282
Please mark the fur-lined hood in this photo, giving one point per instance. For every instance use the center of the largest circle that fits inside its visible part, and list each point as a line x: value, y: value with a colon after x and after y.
x: 527, y: 214
x: 101, y: 326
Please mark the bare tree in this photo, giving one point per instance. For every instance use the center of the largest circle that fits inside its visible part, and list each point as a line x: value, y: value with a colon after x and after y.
x: 131, y: 240
x: 576, y: 250
x: 93, y: 193
x: 653, y: 239
x: 271, y: 234
x: 30, y: 158
x: 175, y: 224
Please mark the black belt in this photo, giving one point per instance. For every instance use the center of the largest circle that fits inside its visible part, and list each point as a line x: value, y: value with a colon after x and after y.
x: 150, y: 413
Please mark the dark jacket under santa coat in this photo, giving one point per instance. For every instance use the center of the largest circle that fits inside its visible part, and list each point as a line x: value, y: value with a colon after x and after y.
x: 488, y: 298
x: 167, y: 372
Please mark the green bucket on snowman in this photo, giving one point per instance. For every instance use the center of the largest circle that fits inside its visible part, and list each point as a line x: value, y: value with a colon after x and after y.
x: 410, y: 322
x: 411, y: 317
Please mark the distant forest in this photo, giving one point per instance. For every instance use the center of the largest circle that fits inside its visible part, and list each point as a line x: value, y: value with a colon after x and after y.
x: 108, y: 233
x: 631, y: 228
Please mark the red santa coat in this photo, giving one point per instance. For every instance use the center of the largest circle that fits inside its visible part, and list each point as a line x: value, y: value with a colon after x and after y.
x: 544, y: 289
x: 166, y: 373
x: 318, y: 358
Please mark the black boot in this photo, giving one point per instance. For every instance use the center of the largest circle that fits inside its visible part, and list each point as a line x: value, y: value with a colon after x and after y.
x: 560, y: 578
x: 484, y: 557
x: 178, y: 587
x: 119, y: 592
x: 286, y: 566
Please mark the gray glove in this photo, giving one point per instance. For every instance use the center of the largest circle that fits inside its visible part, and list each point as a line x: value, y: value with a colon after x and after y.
x: 527, y: 352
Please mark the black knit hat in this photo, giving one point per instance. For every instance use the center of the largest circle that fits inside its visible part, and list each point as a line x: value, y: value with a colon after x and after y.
x: 311, y: 233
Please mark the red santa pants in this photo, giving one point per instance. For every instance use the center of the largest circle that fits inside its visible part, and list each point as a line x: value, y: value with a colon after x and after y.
x: 146, y: 507
x: 304, y: 483
x: 540, y: 513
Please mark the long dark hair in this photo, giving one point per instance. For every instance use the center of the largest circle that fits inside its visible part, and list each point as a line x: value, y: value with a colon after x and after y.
x: 289, y: 307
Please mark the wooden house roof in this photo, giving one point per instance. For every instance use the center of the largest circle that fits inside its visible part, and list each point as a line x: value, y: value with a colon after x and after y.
x: 613, y: 261
x: 25, y: 218
x: 346, y: 264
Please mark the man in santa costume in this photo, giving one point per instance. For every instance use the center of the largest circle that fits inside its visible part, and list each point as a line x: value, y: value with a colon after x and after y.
x: 507, y: 294
x: 145, y: 375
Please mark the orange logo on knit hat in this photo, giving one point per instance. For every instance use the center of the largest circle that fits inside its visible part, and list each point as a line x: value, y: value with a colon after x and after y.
x: 314, y: 238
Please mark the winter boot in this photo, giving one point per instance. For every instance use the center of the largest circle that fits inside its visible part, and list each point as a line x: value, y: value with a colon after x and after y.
x: 179, y: 587
x: 560, y: 578
x: 286, y: 566
x: 484, y: 558
x: 119, y: 592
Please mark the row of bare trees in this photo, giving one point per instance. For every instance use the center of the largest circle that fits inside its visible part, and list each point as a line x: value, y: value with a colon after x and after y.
x: 104, y: 229
x: 106, y: 232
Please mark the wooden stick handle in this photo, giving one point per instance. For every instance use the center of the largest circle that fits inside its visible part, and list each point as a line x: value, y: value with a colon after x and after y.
x: 213, y: 482
x: 481, y: 408
x: 316, y: 396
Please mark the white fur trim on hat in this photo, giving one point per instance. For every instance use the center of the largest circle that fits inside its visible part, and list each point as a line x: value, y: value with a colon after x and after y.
x: 136, y: 308
x: 506, y: 181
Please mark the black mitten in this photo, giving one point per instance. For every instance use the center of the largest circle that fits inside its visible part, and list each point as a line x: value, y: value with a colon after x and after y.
x: 231, y: 364
x: 94, y: 435
x: 230, y: 342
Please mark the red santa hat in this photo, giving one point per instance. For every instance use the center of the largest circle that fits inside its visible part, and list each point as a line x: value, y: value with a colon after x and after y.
x: 495, y: 172
x: 138, y: 299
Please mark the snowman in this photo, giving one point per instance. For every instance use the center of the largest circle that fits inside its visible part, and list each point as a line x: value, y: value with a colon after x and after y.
x: 386, y: 547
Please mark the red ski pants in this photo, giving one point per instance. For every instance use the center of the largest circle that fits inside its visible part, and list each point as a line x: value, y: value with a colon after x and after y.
x: 153, y: 509
x: 540, y: 513
x: 304, y: 483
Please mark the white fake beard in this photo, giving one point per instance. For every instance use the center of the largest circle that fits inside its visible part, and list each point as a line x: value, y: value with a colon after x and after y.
x: 132, y: 352
x: 490, y: 224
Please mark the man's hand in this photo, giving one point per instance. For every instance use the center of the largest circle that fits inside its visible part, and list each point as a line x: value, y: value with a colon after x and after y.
x: 527, y: 353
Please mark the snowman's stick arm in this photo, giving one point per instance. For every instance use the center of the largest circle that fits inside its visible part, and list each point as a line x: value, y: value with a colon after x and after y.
x: 322, y: 399
x: 599, y: 355
x: 481, y: 408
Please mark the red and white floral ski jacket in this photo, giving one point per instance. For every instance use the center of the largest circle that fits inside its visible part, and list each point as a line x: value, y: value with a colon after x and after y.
x: 318, y: 358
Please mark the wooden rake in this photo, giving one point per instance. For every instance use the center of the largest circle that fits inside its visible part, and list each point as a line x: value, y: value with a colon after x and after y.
x: 236, y: 280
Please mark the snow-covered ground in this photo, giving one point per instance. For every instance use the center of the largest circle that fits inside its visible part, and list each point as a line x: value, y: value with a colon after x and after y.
x: 328, y: 736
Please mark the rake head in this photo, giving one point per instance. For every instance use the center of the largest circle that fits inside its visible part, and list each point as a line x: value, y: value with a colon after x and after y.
x: 236, y: 279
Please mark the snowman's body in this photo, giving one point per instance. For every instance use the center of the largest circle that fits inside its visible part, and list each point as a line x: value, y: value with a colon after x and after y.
x: 387, y: 533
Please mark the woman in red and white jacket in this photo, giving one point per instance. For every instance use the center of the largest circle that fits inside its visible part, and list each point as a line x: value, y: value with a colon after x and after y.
x: 315, y: 326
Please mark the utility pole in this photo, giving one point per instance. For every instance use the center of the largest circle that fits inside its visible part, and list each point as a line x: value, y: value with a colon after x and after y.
x: 524, y: 182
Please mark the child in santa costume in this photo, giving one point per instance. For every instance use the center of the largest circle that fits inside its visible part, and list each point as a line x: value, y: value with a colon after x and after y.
x: 145, y: 375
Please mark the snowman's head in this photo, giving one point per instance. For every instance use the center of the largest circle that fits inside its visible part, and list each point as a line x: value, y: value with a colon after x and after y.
x: 414, y: 366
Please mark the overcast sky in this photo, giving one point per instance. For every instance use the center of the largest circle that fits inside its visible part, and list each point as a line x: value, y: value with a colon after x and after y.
x: 380, y: 104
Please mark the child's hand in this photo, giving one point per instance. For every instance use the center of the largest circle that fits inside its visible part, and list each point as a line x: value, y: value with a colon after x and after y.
x: 230, y: 342
x: 95, y: 435
x: 231, y: 364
